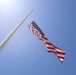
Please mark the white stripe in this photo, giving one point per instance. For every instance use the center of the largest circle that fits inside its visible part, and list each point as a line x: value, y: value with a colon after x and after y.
x: 61, y: 59
x: 45, y: 40
x: 49, y: 46
x: 59, y: 50
x: 50, y: 49
x: 60, y: 55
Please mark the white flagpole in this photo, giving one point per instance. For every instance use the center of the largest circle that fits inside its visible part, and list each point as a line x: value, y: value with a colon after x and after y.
x: 3, y: 43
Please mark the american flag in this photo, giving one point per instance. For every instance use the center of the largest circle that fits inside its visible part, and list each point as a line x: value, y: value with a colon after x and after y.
x: 49, y: 46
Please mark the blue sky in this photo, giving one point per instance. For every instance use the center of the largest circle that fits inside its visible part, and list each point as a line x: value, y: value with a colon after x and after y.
x: 24, y: 54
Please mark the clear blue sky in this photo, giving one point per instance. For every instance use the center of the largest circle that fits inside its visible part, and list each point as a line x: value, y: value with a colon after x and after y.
x: 24, y: 54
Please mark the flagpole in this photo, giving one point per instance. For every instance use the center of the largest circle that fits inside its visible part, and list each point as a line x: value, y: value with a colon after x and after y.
x: 3, y: 43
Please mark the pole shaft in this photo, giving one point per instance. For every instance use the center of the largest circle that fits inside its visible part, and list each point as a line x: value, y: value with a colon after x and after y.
x: 3, y: 43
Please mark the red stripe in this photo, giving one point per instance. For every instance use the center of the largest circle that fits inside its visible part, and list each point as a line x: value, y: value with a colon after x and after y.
x: 50, y: 47
x: 49, y: 43
x: 45, y: 38
x: 50, y: 51
x: 61, y: 53
x: 60, y: 57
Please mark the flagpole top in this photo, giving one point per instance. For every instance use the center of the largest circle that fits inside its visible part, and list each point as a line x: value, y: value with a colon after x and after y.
x: 32, y: 10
